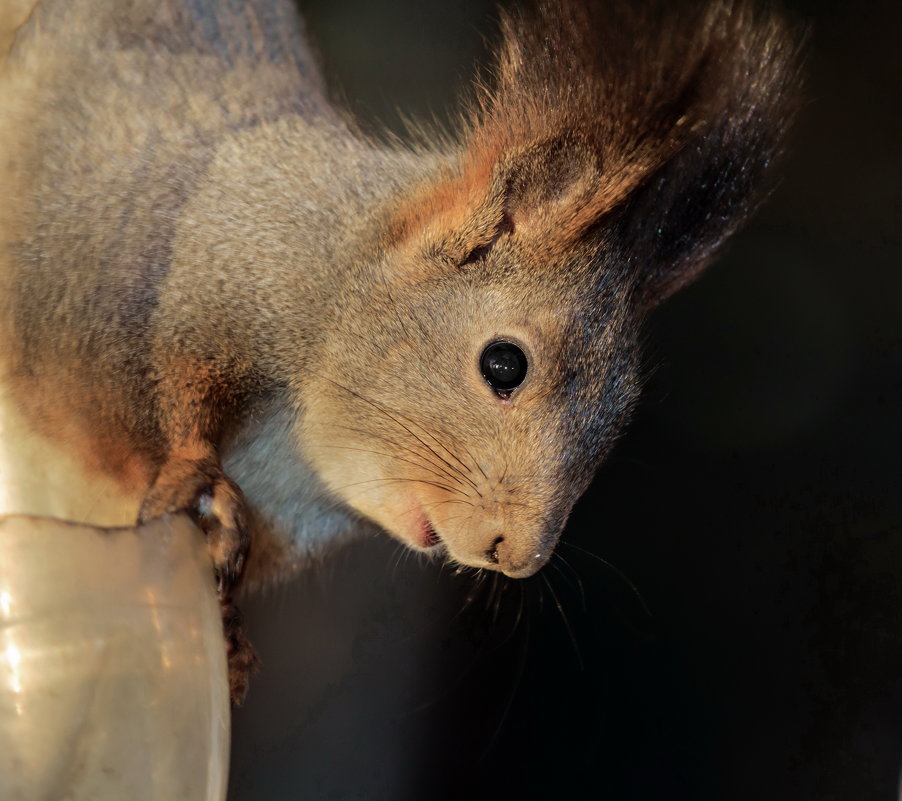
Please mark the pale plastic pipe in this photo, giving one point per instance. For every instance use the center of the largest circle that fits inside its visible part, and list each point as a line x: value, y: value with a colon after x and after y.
x: 113, y: 682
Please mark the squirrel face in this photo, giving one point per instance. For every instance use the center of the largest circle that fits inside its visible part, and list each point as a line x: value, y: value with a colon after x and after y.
x: 411, y: 427
x: 268, y: 250
x: 590, y: 183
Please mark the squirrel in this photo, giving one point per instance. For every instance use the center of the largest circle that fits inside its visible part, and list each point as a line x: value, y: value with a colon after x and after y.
x: 218, y: 289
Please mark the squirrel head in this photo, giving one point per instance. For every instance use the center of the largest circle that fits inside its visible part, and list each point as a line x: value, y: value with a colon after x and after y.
x: 486, y: 365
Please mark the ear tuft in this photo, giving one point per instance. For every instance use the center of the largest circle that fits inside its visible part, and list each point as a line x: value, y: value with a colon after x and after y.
x: 651, y: 126
x: 594, y: 102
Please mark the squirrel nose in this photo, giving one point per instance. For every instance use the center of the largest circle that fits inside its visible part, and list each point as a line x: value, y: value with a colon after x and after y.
x: 517, y: 562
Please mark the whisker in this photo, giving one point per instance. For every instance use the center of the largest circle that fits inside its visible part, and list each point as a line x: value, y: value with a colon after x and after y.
x: 521, y: 606
x: 401, y: 553
x: 451, y: 685
x: 437, y: 441
x: 451, y: 476
x: 502, y: 583
x: 448, y: 500
x: 515, y: 685
x: 516, y: 503
x: 387, y: 455
x: 521, y: 586
x: 476, y: 589
x: 419, y: 439
x: 493, y: 589
x: 393, y: 481
x: 566, y: 621
x: 458, y: 517
x: 617, y: 572
x: 579, y: 583
x: 473, y: 458
x: 380, y: 408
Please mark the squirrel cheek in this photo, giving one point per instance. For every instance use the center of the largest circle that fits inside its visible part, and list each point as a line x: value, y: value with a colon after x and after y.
x: 399, y: 513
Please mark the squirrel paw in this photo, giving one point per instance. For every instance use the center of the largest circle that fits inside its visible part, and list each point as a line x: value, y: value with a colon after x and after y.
x: 215, y: 503
x: 242, y: 658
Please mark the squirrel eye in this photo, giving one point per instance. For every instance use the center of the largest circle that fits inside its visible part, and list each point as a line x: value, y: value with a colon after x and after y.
x: 503, y: 367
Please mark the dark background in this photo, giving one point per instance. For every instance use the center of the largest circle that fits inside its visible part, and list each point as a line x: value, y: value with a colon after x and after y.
x: 755, y: 504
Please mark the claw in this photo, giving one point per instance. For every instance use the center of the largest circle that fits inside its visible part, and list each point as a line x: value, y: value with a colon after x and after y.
x: 203, y: 502
x: 226, y: 576
x: 216, y: 504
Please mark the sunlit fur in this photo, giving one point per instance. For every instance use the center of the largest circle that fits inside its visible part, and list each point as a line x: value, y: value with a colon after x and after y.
x: 203, y: 259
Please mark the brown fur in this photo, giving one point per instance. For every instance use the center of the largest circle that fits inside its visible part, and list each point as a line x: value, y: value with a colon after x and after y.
x: 203, y: 261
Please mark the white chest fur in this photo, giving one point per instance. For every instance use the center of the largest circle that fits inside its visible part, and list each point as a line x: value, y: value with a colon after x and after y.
x: 295, y: 518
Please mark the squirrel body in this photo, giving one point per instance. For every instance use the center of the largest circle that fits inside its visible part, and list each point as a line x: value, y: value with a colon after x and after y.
x: 216, y: 289
x: 170, y: 185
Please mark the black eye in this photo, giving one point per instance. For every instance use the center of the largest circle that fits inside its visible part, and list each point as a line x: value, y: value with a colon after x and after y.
x: 503, y: 366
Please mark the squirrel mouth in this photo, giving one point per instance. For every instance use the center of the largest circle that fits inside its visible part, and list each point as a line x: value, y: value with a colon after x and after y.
x: 430, y: 537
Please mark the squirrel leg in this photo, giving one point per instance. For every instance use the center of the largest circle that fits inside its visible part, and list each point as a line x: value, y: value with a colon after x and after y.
x: 193, y: 481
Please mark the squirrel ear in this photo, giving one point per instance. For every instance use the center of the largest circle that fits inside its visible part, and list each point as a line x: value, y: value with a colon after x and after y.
x: 675, y: 224
x: 654, y: 124
x: 550, y: 187
x: 546, y: 189
x: 676, y: 221
x: 651, y: 127
x: 542, y: 189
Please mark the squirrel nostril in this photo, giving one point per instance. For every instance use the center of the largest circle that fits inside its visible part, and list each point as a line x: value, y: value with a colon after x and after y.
x: 492, y: 553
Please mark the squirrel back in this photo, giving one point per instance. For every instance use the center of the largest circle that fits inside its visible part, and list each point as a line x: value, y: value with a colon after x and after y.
x: 205, y: 261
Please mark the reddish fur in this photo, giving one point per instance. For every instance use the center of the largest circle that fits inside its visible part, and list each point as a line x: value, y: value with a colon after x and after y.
x: 195, y: 240
x: 582, y: 85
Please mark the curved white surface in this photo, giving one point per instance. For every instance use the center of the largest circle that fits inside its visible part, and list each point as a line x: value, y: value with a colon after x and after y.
x: 113, y: 677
